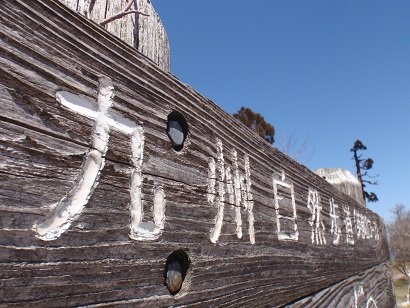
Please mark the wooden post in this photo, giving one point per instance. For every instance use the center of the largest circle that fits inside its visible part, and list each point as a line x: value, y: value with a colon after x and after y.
x: 143, y: 31
x: 120, y: 185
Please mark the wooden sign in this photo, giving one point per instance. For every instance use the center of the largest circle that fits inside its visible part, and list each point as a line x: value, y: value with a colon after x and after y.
x: 121, y: 185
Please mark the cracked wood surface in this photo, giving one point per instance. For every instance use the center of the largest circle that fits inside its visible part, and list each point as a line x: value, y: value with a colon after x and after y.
x: 47, y: 48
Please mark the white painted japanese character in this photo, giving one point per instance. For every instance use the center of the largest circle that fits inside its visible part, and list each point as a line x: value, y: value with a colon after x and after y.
x: 70, y: 206
x: 334, y: 229
x: 348, y: 226
x: 360, y: 298
x: 360, y: 224
x: 376, y: 231
x: 358, y: 293
x: 238, y: 189
x: 369, y: 229
x: 284, y: 235
x: 318, y: 227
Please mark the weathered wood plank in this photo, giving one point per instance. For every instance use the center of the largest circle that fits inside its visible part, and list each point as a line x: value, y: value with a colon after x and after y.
x: 314, y: 241
x: 366, y: 289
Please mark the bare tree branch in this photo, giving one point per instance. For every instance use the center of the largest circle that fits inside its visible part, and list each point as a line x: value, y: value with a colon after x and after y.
x: 399, y: 241
x: 125, y: 11
x: 289, y: 145
x: 370, y: 182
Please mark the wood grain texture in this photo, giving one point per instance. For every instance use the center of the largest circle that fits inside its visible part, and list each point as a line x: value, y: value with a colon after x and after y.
x: 47, y: 48
x: 144, y: 32
x: 364, y: 290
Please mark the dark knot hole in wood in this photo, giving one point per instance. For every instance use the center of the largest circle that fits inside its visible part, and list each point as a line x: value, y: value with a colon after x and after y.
x: 177, y: 130
x: 177, y: 268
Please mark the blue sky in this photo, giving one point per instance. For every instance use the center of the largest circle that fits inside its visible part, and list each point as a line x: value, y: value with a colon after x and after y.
x: 333, y: 71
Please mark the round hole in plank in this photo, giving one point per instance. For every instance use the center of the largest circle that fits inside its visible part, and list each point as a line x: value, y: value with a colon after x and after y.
x: 177, y: 272
x: 177, y: 130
